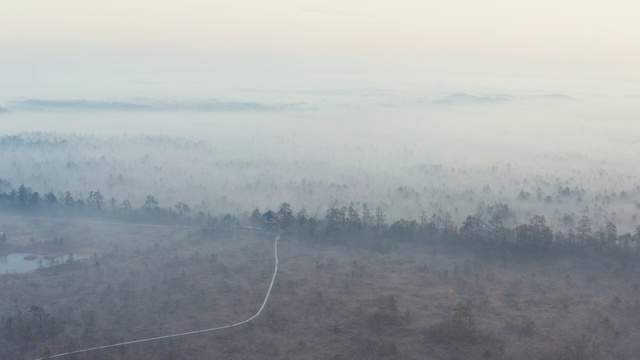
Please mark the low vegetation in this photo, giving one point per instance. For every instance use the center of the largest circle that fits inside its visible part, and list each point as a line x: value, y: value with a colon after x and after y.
x: 356, y: 297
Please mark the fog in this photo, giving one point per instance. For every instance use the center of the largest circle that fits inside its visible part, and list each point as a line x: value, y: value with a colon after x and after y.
x: 431, y: 153
x: 458, y: 222
x: 305, y: 180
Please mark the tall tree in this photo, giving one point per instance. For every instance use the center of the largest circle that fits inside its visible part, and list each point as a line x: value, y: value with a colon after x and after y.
x: 126, y: 205
x: 286, y: 215
x: 35, y: 199
x: 182, y: 208
x: 583, y: 231
x: 497, y: 230
x: 353, y: 219
x: 50, y: 198
x: 24, y: 193
x: 67, y: 199
x: 302, y: 218
x: 381, y: 220
x: 473, y: 228
x: 542, y: 234
x: 432, y: 227
x: 367, y: 218
x: 611, y: 235
x: 256, y: 218
x: 335, y: 220
x: 150, y: 203
x: 95, y: 199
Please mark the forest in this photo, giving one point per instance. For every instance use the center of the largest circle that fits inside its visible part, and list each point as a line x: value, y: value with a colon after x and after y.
x: 491, y: 227
x: 407, y: 249
x: 353, y: 284
x: 319, y: 180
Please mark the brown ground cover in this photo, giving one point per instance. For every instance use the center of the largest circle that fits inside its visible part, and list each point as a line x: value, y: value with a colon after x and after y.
x: 416, y: 301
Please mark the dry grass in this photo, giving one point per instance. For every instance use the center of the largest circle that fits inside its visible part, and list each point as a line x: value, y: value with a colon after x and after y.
x: 329, y: 302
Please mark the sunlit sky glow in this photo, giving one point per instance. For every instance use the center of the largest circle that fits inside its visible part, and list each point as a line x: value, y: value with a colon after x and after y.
x: 72, y: 47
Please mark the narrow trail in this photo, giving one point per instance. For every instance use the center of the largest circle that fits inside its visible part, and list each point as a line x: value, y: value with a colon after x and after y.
x: 264, y: 303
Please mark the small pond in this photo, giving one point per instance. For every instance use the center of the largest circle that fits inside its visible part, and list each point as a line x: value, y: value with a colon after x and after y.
x: 25, y: 263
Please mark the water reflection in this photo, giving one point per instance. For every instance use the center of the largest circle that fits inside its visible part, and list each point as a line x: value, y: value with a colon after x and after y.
x: 20, y: 263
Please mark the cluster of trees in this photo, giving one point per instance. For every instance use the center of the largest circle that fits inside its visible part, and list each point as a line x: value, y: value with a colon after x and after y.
x: 28, y: 327
x: 25, y: 200
x: 491, y: 226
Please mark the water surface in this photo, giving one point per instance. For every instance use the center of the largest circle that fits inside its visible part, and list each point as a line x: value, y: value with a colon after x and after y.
x: 21, y: 263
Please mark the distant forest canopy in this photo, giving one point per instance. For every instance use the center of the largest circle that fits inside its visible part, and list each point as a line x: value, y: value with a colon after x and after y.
x: 223, y: 173
x: 490, y: 227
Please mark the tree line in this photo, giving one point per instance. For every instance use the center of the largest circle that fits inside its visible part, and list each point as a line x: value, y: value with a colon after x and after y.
x: 25, y: 200
x: 490, y: 227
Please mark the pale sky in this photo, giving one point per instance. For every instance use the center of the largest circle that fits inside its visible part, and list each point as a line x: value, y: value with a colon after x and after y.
x: 244, y: 43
